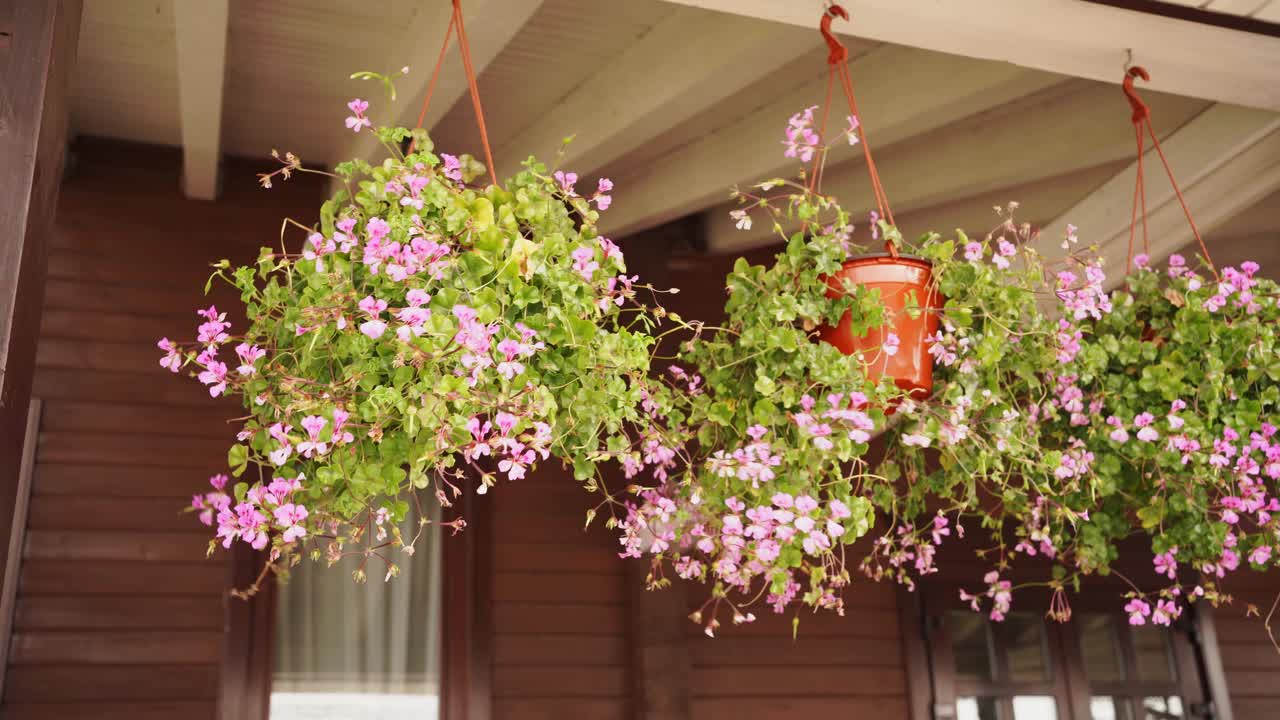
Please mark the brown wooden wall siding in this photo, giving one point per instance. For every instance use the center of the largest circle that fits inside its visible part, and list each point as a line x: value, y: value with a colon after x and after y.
x: 835, y: 667
x: 120, y: 614
x: 559, y: 605
x: 1250, y: 658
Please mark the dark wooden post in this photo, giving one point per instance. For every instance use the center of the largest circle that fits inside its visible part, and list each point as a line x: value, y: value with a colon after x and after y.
x: 660, y: 665
x: 466, y: 670
x: 37, y: 52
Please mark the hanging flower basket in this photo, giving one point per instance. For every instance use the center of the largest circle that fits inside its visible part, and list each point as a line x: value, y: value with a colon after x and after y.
x: 898, y: 349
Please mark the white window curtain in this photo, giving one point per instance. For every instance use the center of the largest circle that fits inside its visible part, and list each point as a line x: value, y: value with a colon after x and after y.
x: 348, y: 650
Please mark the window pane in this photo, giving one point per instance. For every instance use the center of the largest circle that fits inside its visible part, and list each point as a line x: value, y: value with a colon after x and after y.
x: 977, y: 708
x: 1100, y: 645
x: 1110, y: 708
x: 1025, y: 647
x: 971, y: 645
x: 1160, y: 708
x: 347, y: 650
x: 1035, y: 707
x: 1153, y: 654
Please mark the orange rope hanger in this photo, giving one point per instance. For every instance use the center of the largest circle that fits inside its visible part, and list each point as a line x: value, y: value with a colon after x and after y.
x: 838, y: 65
x: 464, y: 48
x: 1142, y: 117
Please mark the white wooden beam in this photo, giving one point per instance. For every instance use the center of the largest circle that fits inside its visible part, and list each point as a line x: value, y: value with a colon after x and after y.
x: 902, y: 92
x: 1225, y: 160
x: 490, y: 26
x: 1082, y: 39
x: 1068, y: 128
x: 689, y: 62
x: 202, y: 53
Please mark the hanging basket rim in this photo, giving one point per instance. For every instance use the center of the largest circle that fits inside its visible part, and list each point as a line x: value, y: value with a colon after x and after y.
x: 880, y: 256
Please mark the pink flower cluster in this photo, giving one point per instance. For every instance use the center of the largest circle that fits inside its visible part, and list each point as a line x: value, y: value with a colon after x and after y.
x: 1164, y: 613
x: 1236, y: 288
x: 315, y: 442
x: 753, y: 463
x: 999, y: 591
x: 211, y: 333
x: 741, y: 545
x: 974, y: 252
x: 265, y: 510
x: 801, y: 139
x: 894, y: 554
x: 498, y: 438
x: 1087, y: 300
x: 420, y: 254
x: 845, y: 413
x: 358, y: 119
x: 1037, y: 538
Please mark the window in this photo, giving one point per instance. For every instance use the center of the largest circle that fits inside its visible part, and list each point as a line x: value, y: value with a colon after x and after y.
x: 1028, y: 668
x: 347, y: 650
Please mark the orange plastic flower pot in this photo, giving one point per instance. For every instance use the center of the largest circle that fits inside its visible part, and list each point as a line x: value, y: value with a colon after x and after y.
x: 897, y: 279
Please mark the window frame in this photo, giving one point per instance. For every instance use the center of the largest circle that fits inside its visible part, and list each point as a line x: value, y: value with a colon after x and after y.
x: 933, y: 696
x: 248, y: 657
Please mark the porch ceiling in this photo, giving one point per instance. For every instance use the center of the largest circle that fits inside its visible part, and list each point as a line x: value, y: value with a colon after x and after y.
x: 674, y: 102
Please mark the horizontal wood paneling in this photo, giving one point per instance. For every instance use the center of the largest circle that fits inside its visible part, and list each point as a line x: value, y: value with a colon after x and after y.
x: 765, y: 680
x: 561, y: 587
x: 526, y: 618
x: 551, y: 557
x: 1250, y: 657
x: 123, y: 612
x: 559, y: 709
x: 82, y: 683
x: 120, y: 614
x: 127, y: 710
x: 50, y: 512
x: 117, y: 647
x: 558, y: 682
x: 559, y: 618
x: 118, y: 481
x: 727, y: 650
x: 118, y: 417
x: 140, y: 387
x: 170, y: 547
x: 64, y: 578
x: 133, y: 448
x: 790, y: 708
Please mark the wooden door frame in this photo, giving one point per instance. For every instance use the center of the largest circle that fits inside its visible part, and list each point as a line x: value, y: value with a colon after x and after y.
x: 466, y: 649
x: 38, y: 42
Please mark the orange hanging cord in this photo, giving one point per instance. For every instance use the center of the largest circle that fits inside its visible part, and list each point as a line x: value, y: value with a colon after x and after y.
x: 464, y: 48
x: 1142, y: 120
x: 838, y: 65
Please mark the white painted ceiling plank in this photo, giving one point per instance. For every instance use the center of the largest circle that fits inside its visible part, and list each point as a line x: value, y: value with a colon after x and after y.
x: 1081, y: 126
x: 1082, y: 39
x: 902, y: 92
x: 1269, y: 12
x: 1225, y: 160
x: 690, y: 62
x: 202, y: 51
x: 1243, y: 8
x: 490, y: 26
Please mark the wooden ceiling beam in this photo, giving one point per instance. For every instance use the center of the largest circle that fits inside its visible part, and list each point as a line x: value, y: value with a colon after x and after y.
x: 903, y: 92
x: 1082, y: 39
x: 490, y: 26
x: 688, y: 63
x: 202, y: 61
x: 1226, y: 160
x: 1067, y: 128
